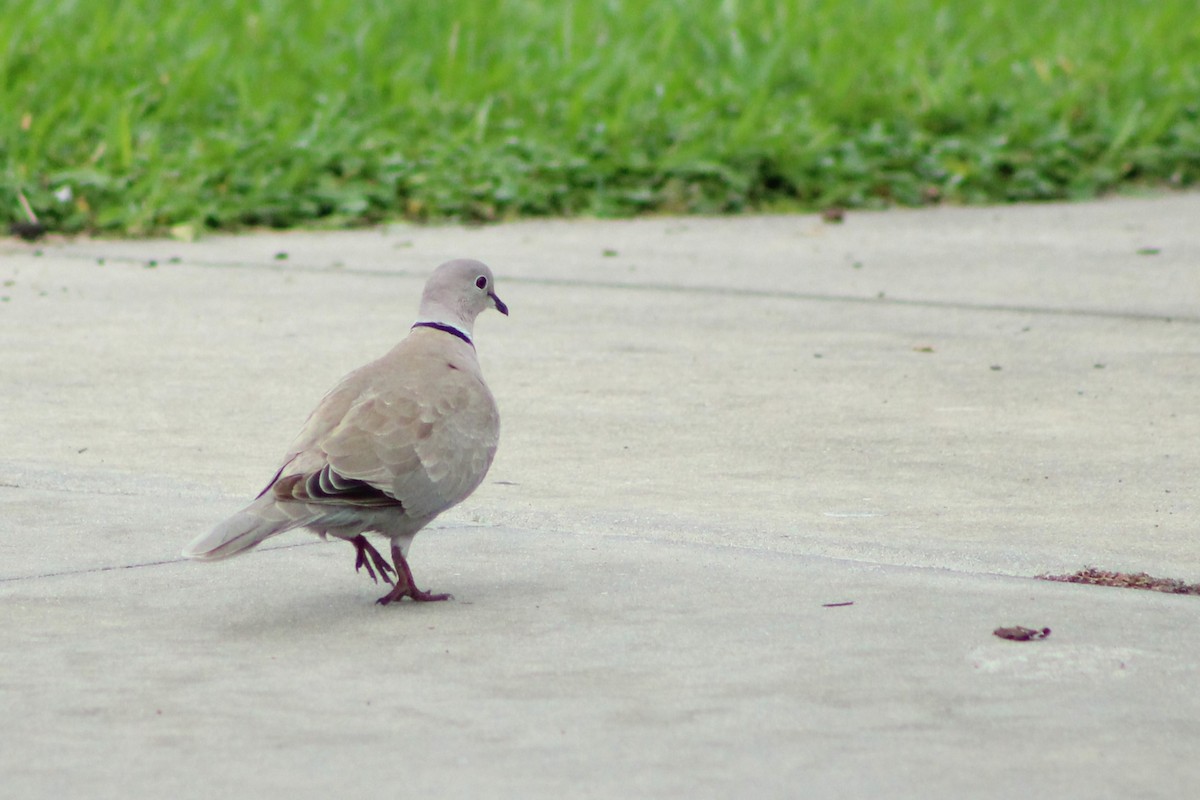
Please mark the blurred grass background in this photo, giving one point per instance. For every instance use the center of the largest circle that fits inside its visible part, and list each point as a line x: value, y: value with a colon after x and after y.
x: 134, y: 116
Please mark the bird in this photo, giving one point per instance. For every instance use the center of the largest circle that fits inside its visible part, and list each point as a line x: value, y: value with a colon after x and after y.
x: 393, y: 445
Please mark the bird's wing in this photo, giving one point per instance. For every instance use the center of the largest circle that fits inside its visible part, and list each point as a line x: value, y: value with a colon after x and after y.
x: 410, y: 429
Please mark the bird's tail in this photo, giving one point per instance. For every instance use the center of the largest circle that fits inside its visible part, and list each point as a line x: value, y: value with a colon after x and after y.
x: 244, y: 530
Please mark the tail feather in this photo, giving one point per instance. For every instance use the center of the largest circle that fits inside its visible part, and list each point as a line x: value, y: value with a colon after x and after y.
x: 244, y: 530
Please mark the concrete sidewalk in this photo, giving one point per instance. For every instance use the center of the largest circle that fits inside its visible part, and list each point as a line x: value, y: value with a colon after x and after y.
x: 711, y: 429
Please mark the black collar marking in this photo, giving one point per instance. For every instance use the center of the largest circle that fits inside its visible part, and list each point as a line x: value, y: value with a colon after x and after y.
x: 437, y: 326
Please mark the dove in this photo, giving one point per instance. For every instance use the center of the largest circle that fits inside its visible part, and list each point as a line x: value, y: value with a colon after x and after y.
x: 394, y: 444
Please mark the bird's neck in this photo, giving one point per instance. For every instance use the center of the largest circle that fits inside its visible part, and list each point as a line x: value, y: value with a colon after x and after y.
x: 446, y: 327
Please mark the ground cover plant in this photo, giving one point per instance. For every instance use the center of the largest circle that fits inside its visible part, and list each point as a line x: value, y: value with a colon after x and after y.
x: 133, y: 116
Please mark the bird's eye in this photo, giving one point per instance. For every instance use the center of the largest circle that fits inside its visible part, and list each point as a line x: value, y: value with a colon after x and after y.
x: 481, y: 282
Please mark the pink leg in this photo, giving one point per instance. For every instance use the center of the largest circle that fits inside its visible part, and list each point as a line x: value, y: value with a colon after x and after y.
x: 366, y: 549
x: 406, y: 586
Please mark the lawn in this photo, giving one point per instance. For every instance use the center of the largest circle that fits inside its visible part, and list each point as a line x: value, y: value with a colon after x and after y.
x: 135, y: 117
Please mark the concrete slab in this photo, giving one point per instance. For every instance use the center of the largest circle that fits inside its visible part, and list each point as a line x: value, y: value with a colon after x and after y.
x: 711, y: 428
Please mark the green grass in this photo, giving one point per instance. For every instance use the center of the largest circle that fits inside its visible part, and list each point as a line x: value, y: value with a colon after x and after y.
x: 220, y: 113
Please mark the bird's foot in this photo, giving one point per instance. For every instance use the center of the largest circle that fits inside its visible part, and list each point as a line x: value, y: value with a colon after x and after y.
x: 366, y: 549
x: 416, y: 595
x: 429, y: 597
x: 406, y: 586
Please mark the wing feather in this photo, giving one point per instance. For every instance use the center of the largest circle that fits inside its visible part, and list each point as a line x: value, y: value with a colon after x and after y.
x: 419, y: 438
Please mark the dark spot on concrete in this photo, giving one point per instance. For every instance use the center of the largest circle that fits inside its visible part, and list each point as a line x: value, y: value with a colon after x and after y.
x: 1019, y: 633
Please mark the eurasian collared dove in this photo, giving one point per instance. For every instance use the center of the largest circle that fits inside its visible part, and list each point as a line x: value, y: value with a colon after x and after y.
x: 396, y: 442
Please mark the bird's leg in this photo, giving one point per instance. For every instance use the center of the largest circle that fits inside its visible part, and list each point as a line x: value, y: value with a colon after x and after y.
x: 406, y: 586
x: 366, y: 549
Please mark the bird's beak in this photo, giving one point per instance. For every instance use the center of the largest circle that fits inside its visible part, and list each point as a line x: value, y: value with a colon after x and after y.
x: 503, y: 309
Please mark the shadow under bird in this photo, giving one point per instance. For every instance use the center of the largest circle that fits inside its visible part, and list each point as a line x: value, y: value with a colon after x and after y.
x: 396, y: 442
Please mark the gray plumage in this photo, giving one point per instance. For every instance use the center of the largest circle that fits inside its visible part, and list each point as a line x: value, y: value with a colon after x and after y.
x: 396, y: 442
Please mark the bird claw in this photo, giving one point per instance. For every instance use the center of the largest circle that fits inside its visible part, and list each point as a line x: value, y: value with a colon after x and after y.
x: 409, y: 587
x: 365, y: 549
x: 416, y: 595
x: 429, y: 597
